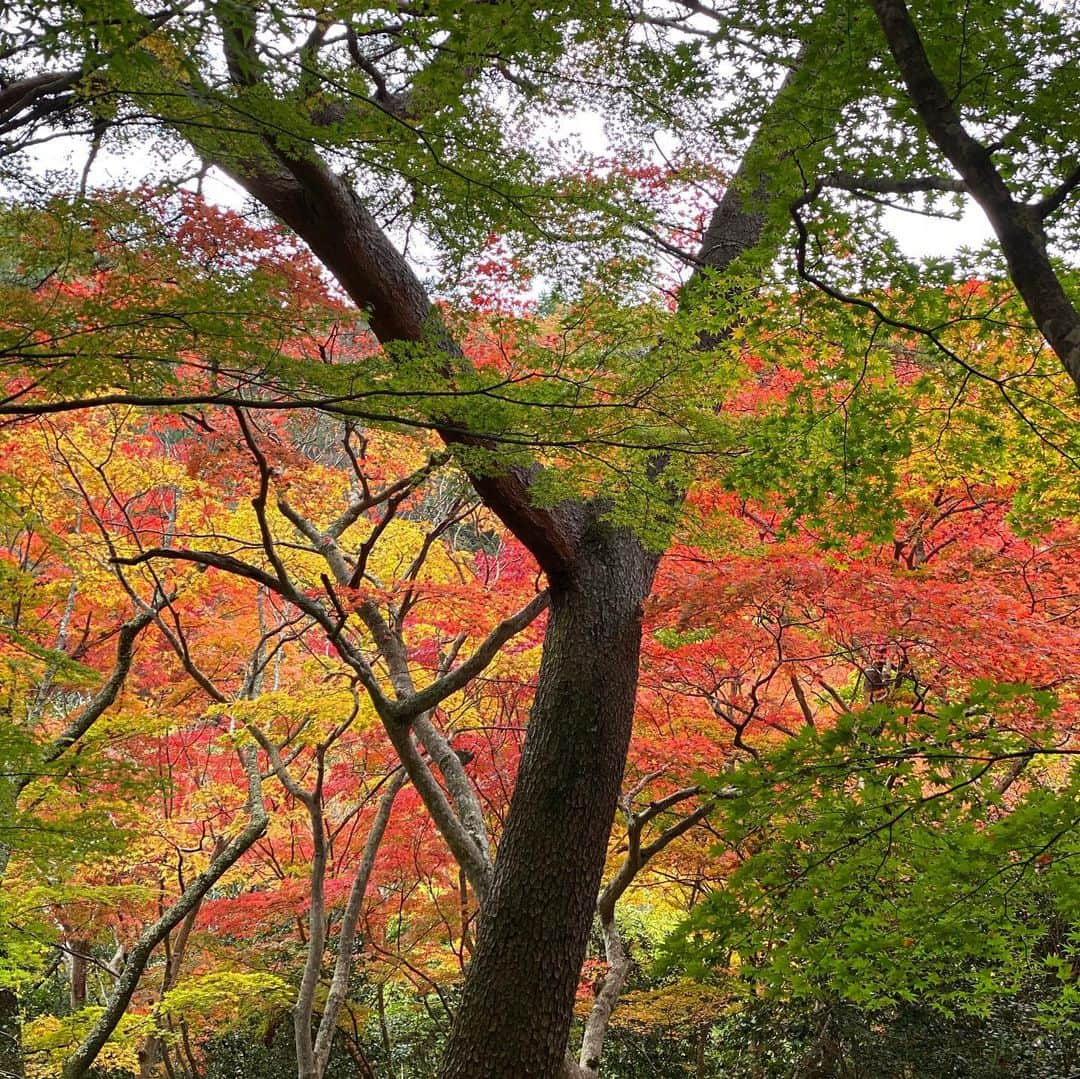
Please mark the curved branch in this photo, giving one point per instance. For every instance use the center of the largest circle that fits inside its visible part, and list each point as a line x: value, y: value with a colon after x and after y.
x: 1018, y: 226
x: 423, y: 700
x: 339, y: 982
x: 79, y: 1064
x: 1057, y: 198
x: 106, y: 694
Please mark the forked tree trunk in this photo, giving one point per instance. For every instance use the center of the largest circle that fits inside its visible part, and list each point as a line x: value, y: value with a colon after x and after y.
x: 517, y: 1002
x: 536, y: 922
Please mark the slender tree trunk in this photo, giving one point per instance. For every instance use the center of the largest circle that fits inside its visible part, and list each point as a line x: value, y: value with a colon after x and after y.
x: 78, y: 954
x: 153, y: 1049
x: 384, y: 1030
x: 82, y: 1059
x: 618, y: 960
x: 343, y: 965
x: 536, y: 921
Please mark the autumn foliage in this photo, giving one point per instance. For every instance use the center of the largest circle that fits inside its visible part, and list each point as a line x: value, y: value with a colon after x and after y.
x: 762, y: 632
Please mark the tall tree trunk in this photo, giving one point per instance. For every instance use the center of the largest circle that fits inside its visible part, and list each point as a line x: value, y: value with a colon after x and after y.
x: 536, y: 921
x: 517, y: 1002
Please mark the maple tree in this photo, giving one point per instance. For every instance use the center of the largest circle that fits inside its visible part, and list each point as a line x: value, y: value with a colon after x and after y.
x: 828, y: 631
x: 583, y: 437
x: 226, y: 669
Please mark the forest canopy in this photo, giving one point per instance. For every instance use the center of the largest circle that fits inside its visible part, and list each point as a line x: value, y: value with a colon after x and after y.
x: 510, y: 565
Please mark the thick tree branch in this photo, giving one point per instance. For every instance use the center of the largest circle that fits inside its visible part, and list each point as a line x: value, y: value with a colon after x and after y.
x: 596, y: 1026
x: 467, y: 815
x: 1018, y: 226
x: 322, y: 209
x: 637, y: 856
x: 892, y: 185
x: 22, y: 93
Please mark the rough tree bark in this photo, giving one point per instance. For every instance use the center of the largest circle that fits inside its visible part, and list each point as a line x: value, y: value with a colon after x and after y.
x: 535, y: 925
x: 516, y: 1009
x: 78, y: 957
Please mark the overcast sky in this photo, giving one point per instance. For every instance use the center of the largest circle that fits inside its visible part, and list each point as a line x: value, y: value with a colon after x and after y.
x: 918, y: 235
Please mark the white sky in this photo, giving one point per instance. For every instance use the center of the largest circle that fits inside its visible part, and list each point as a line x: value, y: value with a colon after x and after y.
x: 919, y: 236
x: 923, y: 237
